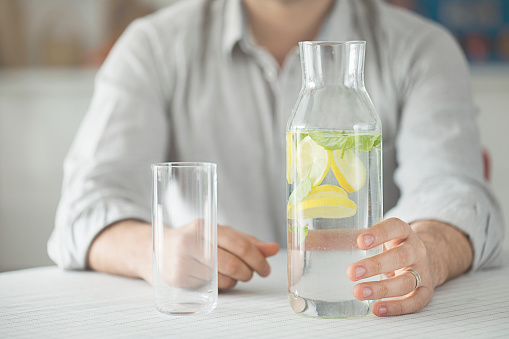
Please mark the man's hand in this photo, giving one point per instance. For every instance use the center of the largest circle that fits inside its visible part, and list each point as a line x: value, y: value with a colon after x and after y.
x: 239, y: 255
x: 437, y: 251
x: 125, y: 248
x: 183, y: 255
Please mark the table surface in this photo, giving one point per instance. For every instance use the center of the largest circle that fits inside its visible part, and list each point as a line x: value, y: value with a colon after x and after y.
x: 48, y: 302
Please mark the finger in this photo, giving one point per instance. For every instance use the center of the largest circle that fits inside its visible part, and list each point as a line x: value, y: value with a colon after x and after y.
x: 388, y: 261
x: 232, y: 266
x: 252, y: 238
x: 240, y: 246
x: 391, y: 229
x: 185, y: 272
x: 332, y: 240
x: 389, y: 274
x: 393, y: 287
x: 224, y: 282
x: 268, y: 249
x: 414, y: 302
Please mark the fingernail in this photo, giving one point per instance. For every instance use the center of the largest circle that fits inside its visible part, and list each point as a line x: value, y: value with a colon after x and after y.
x: 266, y: 271
x: 366, y: 292
x: 359, y: 272
x: 368, y: 239
x: 382, y: 310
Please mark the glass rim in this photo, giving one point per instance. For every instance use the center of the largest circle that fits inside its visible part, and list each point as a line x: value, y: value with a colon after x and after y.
x: 184, y: 164
x: 332, y: 43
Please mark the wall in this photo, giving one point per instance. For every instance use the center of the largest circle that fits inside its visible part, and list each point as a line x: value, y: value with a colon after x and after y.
x: 39, y: 114
x: 41, y: 110
x: 491, y: 93
x: 64, y: 32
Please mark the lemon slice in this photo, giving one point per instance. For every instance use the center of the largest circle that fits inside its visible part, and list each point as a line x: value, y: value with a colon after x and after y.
x: 324, y: 191
x: 323, y: 207
x: 289, y: 177
x: 312, y: 160
x: 349, y: 170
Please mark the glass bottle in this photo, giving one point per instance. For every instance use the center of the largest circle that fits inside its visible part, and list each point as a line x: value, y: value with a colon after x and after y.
x: 334, y: 179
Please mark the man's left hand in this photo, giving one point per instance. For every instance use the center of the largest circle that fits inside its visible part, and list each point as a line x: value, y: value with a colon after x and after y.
x: 404, y: 250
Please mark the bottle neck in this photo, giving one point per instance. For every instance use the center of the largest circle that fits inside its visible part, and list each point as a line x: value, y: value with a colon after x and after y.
x: 332, y: 64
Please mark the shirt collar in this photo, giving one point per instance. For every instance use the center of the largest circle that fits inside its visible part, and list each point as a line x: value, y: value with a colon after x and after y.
x: 339, y: 22
x: 235, y: 25
x: 234, y: 22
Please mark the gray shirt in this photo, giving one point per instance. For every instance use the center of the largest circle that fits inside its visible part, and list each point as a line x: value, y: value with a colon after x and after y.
x: 188, y: 84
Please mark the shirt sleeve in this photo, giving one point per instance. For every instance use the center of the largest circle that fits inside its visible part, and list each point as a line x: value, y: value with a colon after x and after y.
x: 107, y: 170
x: 440, y: 169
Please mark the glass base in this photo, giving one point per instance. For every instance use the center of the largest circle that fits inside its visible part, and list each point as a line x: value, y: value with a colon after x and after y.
x: 324, y: 309
x: 186, y: 308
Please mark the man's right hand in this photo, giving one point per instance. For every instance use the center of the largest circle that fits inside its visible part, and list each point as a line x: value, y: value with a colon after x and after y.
x: 125, y: 248
x: 239, y: 255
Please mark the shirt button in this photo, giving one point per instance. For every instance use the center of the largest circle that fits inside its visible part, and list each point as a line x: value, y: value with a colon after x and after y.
x: 270, y: 75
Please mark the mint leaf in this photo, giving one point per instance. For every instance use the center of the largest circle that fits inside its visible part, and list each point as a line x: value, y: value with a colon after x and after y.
x: 301, y: 191
x: 302, y: 136
x: 302, y: 232
x: 333, y: 141
x: 364, y: 142
x: 328, y: 141
x: 376, y: 140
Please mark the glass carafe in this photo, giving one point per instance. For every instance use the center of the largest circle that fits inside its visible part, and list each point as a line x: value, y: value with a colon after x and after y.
x: 334, y: 179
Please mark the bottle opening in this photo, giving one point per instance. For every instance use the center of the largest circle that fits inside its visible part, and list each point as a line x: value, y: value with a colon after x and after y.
x: 338, y: 63
x: 332, y: 43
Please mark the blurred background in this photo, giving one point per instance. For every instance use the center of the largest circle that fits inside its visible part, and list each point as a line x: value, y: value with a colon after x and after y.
x: 50, y: 51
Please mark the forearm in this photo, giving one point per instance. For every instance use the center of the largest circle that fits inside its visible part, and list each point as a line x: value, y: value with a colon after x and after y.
x: 448, y: 249
x: 124, y: 249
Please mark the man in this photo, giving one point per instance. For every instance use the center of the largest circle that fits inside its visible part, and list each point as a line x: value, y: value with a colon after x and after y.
x: 216, y: 81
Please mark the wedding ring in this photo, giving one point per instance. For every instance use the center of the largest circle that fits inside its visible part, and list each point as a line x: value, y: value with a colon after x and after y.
x: 417, y: 278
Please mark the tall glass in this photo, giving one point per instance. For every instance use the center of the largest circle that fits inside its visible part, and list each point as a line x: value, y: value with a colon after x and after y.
x: 184, y: 223
x: 334, y: 179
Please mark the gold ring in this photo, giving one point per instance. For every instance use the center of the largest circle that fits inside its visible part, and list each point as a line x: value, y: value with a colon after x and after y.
x: 417, y: 278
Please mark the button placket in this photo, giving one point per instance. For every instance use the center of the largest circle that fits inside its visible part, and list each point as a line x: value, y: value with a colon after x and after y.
x: 270, y: 74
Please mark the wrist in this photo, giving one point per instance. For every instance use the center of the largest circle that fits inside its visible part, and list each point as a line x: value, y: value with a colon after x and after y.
x: 140, y: 253
x: 448, y: 249
x: 124, y: 248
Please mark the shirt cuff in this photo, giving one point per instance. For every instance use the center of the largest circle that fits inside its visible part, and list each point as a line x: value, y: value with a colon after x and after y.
x: 468, y: 207
x: 71, y: 239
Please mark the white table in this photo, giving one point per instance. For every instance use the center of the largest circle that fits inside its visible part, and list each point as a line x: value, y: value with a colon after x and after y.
x: 47, y: 302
